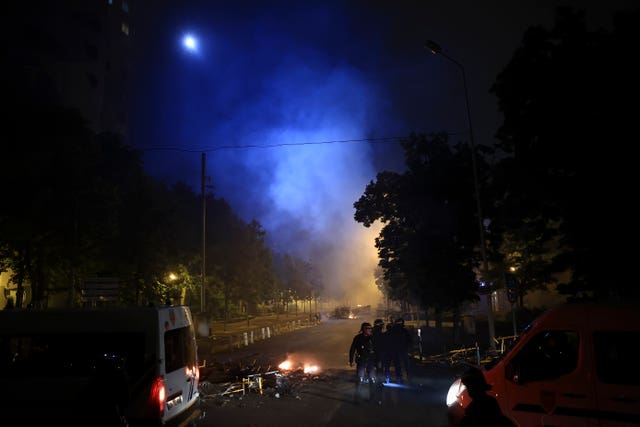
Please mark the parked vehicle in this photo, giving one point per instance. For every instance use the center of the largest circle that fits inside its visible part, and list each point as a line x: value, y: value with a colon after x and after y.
x: 342, y: 312
x: 575, y: 365
x: 105, y: 366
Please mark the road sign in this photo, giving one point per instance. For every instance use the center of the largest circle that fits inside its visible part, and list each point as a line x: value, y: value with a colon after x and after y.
x: 99, y: 290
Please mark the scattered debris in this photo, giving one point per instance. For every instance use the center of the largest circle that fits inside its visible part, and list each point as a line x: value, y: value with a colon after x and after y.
x: 243, y: 383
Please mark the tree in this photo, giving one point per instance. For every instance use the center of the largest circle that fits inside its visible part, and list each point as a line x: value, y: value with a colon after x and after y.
x: 426, y: 246
x: 81, y: 206
x: 569, y: 98
x: 530, y: 256
x: 62, y: 207
x: 255, y: 268
x: 296, y: 279
x: 157, y: 234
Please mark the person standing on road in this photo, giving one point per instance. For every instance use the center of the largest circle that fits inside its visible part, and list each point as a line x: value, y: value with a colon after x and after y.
x: 484, y: 410
x: 400, y: 342
x: 380, y: 346
x: 362, y: 351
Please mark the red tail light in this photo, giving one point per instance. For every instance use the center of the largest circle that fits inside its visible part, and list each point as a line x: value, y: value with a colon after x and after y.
x: 158, y: 395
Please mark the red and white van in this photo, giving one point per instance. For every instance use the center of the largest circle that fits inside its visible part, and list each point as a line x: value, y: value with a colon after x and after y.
x: 575, y: 365
x: 99, y: 366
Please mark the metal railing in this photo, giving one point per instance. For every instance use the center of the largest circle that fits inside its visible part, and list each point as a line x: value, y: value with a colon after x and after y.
x: 471, y: 355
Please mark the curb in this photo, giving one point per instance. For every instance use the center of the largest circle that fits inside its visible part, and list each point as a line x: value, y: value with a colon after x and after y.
x: 239, y: 335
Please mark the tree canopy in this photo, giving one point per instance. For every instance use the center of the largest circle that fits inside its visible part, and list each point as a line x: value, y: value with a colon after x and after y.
x: 81, y: 206
x: 558, y: 194
x: 569, y: 98
x: 428, y: 238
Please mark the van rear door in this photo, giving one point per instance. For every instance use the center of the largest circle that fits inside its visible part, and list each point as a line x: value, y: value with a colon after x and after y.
x: 180, y: 367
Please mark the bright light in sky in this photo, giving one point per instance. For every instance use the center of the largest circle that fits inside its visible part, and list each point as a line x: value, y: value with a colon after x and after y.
x: 190, y: 43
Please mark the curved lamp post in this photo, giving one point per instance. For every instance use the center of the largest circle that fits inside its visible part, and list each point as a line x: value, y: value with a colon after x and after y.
x: 435, y: 48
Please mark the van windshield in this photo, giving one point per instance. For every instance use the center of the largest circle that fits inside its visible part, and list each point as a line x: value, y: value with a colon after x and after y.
x: 71, y: 354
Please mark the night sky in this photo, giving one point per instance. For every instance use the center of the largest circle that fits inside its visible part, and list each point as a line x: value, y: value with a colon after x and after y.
x: 298, y: 104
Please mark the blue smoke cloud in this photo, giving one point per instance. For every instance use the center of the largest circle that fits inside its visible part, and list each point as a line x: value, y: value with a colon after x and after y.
x: 270, y: 74
x: 271, y: 102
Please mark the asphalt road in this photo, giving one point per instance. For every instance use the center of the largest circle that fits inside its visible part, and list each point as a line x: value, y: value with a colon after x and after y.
x: 277, y: 397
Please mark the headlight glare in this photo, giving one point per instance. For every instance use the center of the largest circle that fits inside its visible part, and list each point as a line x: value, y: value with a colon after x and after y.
x: 454, y: 392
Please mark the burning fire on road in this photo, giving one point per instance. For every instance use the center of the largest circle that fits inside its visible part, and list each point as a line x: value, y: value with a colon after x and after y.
x: 292, y: 365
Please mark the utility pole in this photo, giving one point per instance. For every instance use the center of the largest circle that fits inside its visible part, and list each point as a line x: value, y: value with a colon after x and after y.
x: 204, y: 224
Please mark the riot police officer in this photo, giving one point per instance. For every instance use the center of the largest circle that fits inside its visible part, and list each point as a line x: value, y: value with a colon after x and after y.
x: 381, y: 348
x: 362, y: 351
x: 400, y: 343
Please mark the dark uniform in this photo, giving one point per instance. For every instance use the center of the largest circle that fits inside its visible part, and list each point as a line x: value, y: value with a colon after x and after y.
x: 381, y: 349
x: 362, y: 351
x: 400, y: 342
x: 484, y: 409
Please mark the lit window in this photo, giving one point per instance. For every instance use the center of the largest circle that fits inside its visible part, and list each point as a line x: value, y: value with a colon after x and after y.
x: 125, y: 28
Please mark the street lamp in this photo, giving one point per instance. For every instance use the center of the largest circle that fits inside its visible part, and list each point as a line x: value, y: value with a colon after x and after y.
x: 437, y: 50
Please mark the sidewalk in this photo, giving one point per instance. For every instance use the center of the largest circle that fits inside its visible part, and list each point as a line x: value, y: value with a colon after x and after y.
x: 234, y: 335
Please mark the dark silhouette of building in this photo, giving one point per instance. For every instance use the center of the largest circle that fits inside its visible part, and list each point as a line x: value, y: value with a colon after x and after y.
x: 71, y: 53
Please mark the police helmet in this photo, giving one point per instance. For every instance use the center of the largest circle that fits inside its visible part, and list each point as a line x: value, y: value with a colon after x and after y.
x: 365, y: 325
x: 474, y: 380
x: 400, y: 321
x: 378, y: 322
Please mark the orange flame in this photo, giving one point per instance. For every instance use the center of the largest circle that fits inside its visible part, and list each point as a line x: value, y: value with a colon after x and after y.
x: 306, y: 367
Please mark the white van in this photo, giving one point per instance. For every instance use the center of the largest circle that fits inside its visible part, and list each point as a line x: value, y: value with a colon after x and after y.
x: 104, y: 366
x: 575, y: 365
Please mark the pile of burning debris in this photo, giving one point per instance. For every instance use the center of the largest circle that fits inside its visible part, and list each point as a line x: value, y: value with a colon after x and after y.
x: 240, y: 380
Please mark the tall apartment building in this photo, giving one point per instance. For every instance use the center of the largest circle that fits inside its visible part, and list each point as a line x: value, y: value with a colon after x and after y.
x: 73, y: 53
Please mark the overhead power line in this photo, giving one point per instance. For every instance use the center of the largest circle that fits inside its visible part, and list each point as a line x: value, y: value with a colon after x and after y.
x: 284, y: 144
